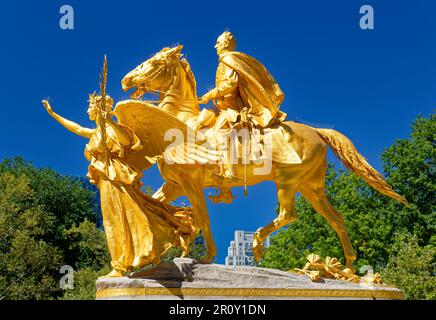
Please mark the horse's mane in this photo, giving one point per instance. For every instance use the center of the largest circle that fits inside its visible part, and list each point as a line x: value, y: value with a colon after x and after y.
x: 191, y: 78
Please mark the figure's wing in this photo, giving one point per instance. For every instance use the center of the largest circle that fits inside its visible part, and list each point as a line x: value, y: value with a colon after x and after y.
x: 149, y: 123
x: 162, y: 134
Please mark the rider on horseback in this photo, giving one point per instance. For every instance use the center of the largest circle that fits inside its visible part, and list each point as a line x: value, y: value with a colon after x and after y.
x: 246, y: 95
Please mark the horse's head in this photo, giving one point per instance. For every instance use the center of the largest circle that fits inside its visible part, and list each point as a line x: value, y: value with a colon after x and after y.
x: 154, y: 73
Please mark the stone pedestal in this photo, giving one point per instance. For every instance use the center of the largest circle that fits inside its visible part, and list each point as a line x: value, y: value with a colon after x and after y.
x: 186, y: 279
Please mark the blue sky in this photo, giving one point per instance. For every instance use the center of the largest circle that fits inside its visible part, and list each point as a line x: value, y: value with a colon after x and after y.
x: 368, y: 84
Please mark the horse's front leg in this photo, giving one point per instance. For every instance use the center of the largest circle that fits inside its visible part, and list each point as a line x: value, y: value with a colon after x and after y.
x: 287, y: 214
x: 193, y: 190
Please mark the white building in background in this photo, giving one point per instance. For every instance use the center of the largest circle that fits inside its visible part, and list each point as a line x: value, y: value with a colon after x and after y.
x: 240, y: 251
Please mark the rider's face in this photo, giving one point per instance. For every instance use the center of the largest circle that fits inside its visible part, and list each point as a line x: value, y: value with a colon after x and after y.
x: 220, y: 46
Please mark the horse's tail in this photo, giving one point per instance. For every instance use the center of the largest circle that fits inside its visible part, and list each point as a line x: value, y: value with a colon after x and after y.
x: 345, y: 150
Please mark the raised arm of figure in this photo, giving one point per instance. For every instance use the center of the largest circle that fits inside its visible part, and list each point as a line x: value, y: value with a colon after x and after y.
x: 70, y: 125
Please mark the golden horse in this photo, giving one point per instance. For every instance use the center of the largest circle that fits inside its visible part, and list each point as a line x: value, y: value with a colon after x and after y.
x: 170, y: 75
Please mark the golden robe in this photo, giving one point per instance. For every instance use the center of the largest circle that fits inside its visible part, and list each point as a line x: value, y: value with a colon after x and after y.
x: 139, y: 228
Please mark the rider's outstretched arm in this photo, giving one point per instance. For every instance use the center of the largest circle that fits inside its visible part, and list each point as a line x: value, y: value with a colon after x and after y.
x: 70, y: 125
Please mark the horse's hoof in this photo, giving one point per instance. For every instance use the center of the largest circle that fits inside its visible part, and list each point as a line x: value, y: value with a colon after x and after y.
x: 257, y: 252
x: 349, y: 271
x: 293, y: 218
x: 206, y: 260
x: 257, y: 255
x: 257, y: 246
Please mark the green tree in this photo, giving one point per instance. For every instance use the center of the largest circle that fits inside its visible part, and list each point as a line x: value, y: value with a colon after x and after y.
x: 84, y: 284
x: 46, y: 220
x: 87, y: 246
x: 410, y: 166
x: 412, y: 268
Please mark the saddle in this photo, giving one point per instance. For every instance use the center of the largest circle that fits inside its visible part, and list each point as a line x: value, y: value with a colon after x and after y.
x: 249, y: 143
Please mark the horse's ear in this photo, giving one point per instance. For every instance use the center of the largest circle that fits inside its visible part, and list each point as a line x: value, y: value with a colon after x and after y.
x: 174, y: 50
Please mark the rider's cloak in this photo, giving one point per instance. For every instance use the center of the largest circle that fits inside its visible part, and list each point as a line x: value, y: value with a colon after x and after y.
x: 257, y: 88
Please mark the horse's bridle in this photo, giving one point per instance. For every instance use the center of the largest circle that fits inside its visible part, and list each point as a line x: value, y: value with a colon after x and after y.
x: 144, y: 87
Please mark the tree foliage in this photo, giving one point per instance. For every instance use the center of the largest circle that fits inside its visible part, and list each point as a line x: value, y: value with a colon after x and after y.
x: 46, y: 220
x: 374, y: 221
x: 412, y: 268
x: 84, y: 284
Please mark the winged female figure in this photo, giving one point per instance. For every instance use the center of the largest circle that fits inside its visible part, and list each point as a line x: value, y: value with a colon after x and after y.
x: 139, y: 229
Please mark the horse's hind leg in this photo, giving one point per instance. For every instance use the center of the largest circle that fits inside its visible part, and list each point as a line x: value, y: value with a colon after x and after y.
x: 286, y: 198
x: 322, y: 205
x: 287, y: 214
